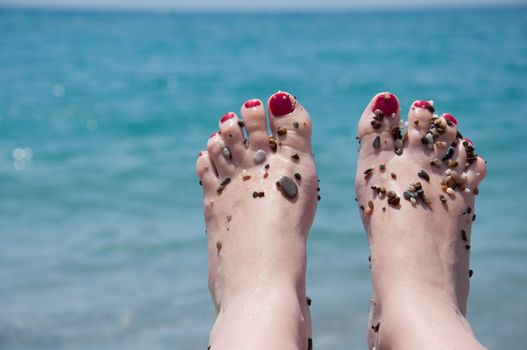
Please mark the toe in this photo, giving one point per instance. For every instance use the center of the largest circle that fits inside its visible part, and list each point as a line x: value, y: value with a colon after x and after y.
x: 290, y: 122
x: 220, y: 155
x: 477, y: 165
x: 379, y: 125
x: 253, y: 114
x: 419, y: 122
x: 444, y: 135
x: 232, y: 134
x: 205, y: 171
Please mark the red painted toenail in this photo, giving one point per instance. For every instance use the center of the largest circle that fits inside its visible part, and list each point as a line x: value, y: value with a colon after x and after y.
x: 213, y: 134
x: 450, y: 118
x: 387, y: 103
x: 422, y: 104
x: 227, y: 116
x: 252, y: 103
x: 280, y: 104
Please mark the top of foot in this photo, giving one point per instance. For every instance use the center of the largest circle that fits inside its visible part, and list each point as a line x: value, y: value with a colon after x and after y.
x: 260, y: 196
x: 415, y: 188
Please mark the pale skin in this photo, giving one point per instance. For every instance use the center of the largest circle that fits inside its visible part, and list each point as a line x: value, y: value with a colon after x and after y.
x: 257, y: 230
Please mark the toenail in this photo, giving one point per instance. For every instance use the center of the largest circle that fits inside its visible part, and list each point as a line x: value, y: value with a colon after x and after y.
x: 469, y: 141
x: 425, y: 105
x: 450, y: 118
x: 213, y: 134
x: 252, y: 103
x: 280, y: 104
x: 386, y: 103
x: 227, y: 116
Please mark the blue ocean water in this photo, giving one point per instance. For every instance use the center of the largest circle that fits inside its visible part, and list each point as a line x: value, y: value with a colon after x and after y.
x: 102, y: 241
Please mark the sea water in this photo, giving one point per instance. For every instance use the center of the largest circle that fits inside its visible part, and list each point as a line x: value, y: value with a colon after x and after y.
x: 102, y: 242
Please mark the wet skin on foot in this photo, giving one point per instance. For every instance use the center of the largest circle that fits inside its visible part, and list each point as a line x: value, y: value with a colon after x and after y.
x: 260, y: 195
x: 415, y: 190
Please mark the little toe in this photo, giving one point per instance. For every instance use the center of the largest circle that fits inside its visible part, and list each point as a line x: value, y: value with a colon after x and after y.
x: 232, y: 134
x: 379, y: 125
x: 220, y: 155
x: 419, y: 121
x: 290, y: 122
x: 475, y: 174
x: 205, y: 171
x: 253, y: 114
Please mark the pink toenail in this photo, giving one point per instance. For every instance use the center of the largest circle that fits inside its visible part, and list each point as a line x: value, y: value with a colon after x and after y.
x: 227, y: 116
x: 280, y: 104
x: 423, y: 104
x: 450, y: 118
x: 387, y: 103
x: 213, y: 134
x: 252, y: 103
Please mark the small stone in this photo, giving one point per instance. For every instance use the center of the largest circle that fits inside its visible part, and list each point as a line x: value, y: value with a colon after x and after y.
x: 393, y: 176
x: 470, y: 273
x: 382, y: 166
x: 288, y: 187
x: 442, y: 198
x: 281, y: 131
x: 259, y: 156
x: 245, y: 175
x: 298, y: 176
x: 218, y: 246
x: 226, y: 153
x: 423, y: 175
x: 295, y: 156
x: 241, y: 124
x: 398, y: 143
x: 407, y: 195
x: 464, y: 235
x: 449, y: 190
x: 255, y: 194
x: 308, y: 300
x: 399, y: 151
x: 261, y: 194
x: 296, y: 125
x: 368, y: 172
x: 272, y: 143
x: 435, y: 162
x: 377, y: 142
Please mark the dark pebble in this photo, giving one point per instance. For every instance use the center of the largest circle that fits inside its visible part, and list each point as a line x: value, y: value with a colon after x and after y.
x: 296, y: 125
x: 423, y: 175
x: 298, y: 176
x: 464, y: 235
x: 295, y: 156
x: 470, y: 273
x: 308, y: 300
x: 310, y: 344
x: 255, y: 194
x: 288, y: 187
x: 377, y: 142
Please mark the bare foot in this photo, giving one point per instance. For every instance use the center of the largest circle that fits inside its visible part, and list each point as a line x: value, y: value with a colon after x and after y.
x: 416, y: 193
x: 260, y: 198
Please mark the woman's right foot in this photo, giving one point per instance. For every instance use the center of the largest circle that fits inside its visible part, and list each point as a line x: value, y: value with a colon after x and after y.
x: 416, y: 189
x: 260, y: 197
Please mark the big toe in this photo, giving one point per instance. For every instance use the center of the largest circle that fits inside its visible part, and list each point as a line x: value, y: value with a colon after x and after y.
x: 379, y: 125
x: 290, y: 122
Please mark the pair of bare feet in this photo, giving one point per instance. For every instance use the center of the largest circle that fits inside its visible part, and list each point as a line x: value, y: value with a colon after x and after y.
x: 415, y: 189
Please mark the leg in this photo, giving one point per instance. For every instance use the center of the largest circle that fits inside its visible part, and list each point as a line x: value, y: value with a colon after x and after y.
x: 416, y: 192
x: 260, y: 197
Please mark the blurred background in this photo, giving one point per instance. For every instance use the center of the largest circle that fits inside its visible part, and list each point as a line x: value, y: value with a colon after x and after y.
x: 105, y: 105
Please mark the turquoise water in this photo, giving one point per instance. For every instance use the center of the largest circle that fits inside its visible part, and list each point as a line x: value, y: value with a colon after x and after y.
x: 102, y: 243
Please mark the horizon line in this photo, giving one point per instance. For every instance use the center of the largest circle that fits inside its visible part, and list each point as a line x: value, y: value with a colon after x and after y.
x: 266, y: 9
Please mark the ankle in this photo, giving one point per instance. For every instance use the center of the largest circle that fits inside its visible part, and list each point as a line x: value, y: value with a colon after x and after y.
x: 421, y: 319
x: 257, y: 316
